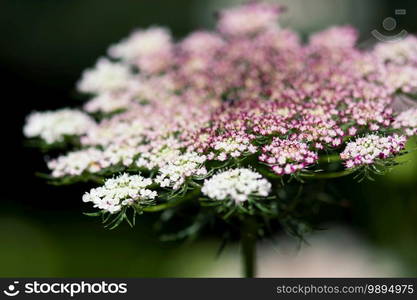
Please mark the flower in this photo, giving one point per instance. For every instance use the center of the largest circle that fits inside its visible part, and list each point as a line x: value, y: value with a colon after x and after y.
x: 237, y: 185
x: 174, y: 173
x: 247, y: 87
x: 233, y: 146
x: 202, y: 42
x: 106, y: 76
x: 119, y: 130
x: 287, y: 157
x: 335, y: 37
x: 52, y: 126
x: 248, y: 18
x: 150, y: 49
x: 124, y: 190
x: 401, y: 51
x: 366, y: 150
x: 158, y: 154
x: 247, y: 93
x: 407, y: 120
x: 76, y: 162
x: 92, y: 160
x: 108, y: 102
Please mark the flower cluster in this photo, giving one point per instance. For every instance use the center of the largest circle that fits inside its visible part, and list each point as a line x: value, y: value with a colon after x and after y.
x: 121, y: 191
x: 91, y: 160
x: 249, y: 19
x: 407, y: 120
x: 287, y: 156
x: 175, y: 172
x: 367, y: 149
x: 77, y: 162
x: 401, y: 52
x: 237, y: 185
x: 247, y: 94
x: 53, y: 126
x: 150, y: 50
x: 106, y: 76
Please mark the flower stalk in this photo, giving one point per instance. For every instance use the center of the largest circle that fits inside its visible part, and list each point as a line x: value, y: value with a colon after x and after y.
x: 248, y: 248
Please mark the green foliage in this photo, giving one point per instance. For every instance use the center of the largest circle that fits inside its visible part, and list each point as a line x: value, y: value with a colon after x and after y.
x: 68, y: 142
x: 185, y: 213
x: 380, y: 167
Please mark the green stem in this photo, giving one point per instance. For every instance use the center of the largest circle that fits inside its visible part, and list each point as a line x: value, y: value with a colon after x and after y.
x: 169, y: 204
x: 330, y: 158
x: 248, y: 244
x: 329, y: 175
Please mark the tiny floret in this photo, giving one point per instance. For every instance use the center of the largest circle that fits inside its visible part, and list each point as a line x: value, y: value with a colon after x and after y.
x: 106, y: 76
x: 121, y: 191
x: 249, y: 18
x: 366, y: 150
x: 149, y: 49
x: 53, y: 126
x: 174, y: 173
x: 286, y: 157
x: 407, y: 121
x: 77, y: 162
x: 237, y: 185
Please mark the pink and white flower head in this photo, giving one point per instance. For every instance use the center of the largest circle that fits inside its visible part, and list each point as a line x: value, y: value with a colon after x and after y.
x: 106, y: 76
x: 53, y: 126
x: 226, y: 95
x: 249, y: 18
x: 237, y: 185
x: 407, y: 121
x: 335, y: 37
x: 77, y: 162
x: 202, y: 43
x: 121, y: 191
x: 151, y: 49
x: 287, y: 157
x: 398, y: 52
x: 174, y: 173
x: 366, y: 150
x: 108, y: 102
x: 197, y: 51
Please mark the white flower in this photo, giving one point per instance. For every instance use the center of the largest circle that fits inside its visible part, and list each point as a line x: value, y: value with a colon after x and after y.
x: 367, y: 149
x: 142, y: 43
x: 202, y: 42
x: 233, y: 146
x: 93, y: 160
x: 121, y: 191
x: 157, y: 157
x: 108, y: 102
x: 106, y: 76
x: 407, y: 120
x: 52, y: 126
x: 341, y: 37
x: 249, y: 18
x: 124, y: 154
x: 286, y: 156
x: 114, y: 131
x: 237, y: 185
x: 150, y: 49
x: 398, y: 52
x: 186, y: 165
x: 76, y: 162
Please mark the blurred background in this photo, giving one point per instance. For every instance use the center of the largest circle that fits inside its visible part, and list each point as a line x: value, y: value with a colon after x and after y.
x: 44, y: 47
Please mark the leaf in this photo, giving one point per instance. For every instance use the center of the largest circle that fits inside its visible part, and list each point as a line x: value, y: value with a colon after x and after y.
x: 95, y: 214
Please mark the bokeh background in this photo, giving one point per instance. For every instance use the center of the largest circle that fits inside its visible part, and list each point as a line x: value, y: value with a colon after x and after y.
x: 44, y: 47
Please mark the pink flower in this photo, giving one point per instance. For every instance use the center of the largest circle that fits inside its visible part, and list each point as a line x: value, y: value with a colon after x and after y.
x: 287, y: 157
